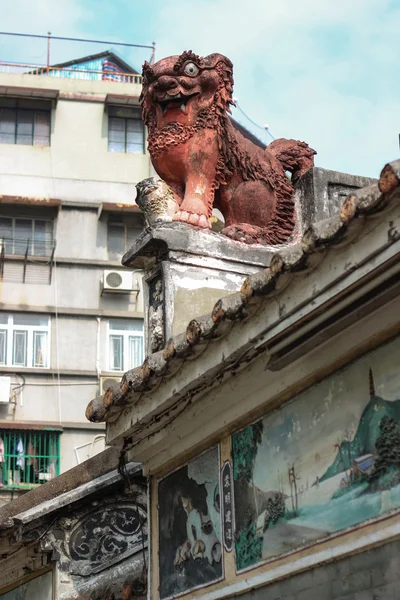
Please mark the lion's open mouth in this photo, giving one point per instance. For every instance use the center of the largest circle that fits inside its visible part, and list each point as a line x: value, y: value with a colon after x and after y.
x: 175, y: 102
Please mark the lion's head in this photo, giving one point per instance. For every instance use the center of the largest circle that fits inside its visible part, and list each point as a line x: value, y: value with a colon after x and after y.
x: 179, y: 89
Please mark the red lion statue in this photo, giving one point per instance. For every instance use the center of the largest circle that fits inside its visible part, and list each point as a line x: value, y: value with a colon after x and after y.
x: 207, y: 162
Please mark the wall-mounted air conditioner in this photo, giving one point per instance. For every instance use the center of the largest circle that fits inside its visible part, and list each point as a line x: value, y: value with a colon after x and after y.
x: 106, y: 382
x: 119, y: 282
x: 5, y: 389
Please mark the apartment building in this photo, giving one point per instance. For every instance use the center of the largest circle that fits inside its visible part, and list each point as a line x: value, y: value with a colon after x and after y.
x: 72, y: 148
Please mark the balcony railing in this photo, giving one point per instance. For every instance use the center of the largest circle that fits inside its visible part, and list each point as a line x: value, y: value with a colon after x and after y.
x: 27, y: 246
x: 70, y: 72
x: 28, y: 458
x: 30, y: 249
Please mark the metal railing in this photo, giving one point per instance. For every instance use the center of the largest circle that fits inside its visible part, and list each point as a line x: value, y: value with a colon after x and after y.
x: 28, y: 458
x: 30, y: 249
x: 70, y: 72
x: 27, y: 246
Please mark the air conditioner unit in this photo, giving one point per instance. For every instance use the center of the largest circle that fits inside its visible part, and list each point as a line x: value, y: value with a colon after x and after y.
x: 118, y: 282
x: 5, y: 389
x: 106, y: 382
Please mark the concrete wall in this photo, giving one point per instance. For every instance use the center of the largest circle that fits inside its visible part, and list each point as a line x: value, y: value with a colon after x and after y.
x: 78, y: 170
x: 371, y: 575
x: 78, y: 445
x: 77, y: 162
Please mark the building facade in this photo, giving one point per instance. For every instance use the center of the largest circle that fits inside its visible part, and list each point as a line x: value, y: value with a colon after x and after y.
x: 72, y: 148
x: 268, y: 425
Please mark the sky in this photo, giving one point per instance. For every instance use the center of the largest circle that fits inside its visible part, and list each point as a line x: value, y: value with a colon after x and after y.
x: 322, y: 71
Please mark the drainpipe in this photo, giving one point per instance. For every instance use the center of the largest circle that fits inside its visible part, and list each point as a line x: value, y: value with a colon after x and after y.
x: 98, y: 349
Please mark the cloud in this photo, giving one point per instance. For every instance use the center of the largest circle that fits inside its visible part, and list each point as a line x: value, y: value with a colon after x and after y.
x: 39, y: 17
x: 320, y: 71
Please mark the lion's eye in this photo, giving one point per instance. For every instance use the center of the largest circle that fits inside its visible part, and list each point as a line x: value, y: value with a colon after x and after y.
x: 191, y: 69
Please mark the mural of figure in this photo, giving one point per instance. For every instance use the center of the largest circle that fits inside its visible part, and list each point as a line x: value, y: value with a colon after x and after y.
x: 189, y: 526
x: 202, y: 541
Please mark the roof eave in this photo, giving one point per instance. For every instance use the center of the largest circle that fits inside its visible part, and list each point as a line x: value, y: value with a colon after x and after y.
x: 148, y: 392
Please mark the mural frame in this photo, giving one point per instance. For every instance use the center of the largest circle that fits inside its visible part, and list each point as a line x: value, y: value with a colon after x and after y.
x: 320, y: 543
x: 158, y: 481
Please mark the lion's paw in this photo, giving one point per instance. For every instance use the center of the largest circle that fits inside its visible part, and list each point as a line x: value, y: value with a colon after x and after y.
x: 192, y: 219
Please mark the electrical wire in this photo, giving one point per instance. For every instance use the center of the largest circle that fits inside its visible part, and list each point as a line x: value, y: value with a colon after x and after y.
x: 57, y: 343
x: 253, y: 122
x: 66, y: 39
x: 123, y: 471
x: 18, y: 386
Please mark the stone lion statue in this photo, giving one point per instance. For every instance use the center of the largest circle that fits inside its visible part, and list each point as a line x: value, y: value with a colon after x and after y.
x: 208, y: 163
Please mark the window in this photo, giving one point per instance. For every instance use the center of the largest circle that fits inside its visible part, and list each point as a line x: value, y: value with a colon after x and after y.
x: 24, y: 340
x: 122, y: 232
x: 125, y: 130
x: 22, y: 234
x: 28, y: 458
x: 24, y: 122
x: 125, y: 344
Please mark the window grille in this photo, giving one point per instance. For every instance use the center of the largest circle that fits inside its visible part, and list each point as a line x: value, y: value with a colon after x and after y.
x: 28, y: 458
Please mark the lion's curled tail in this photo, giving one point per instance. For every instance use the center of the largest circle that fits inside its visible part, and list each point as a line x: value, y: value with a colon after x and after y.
x: 294, y: 156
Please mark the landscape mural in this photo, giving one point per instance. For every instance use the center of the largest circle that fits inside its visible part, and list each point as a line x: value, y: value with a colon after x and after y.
x: 190, y: 526
x: 324, y: 462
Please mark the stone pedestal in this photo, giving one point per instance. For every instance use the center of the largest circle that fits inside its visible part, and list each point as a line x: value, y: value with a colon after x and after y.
x: 188, y: 269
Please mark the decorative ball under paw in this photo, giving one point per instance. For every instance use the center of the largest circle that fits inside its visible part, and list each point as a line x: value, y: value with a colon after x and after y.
x: 156, y: 200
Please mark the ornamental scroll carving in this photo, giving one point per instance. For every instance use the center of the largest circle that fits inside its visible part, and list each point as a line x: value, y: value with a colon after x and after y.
x: 105, y: 536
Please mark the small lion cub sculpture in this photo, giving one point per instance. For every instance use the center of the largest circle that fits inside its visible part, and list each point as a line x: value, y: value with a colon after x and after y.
x: 208, y: 163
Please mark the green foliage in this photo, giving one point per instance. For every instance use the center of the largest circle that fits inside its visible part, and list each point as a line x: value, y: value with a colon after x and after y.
x: 384, y: 481
x: 275, y: 509
x: 248, y: 547
x: 387, y: 447
x: 244, y: 450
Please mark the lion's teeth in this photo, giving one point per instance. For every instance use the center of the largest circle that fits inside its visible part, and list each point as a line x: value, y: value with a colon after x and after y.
x: 183, y: 107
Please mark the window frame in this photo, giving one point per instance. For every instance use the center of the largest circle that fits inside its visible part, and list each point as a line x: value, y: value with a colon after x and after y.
x: 126, y: 335
x: 19, y: 111
x: 13, y: 243
x: 11, y: 329
x: 125, y: 227
x: 125, y: 114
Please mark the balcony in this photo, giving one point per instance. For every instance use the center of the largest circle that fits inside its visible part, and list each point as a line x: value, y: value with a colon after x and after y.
x: 28, y: 457
x: 108, y: 73
x: 31, y: 250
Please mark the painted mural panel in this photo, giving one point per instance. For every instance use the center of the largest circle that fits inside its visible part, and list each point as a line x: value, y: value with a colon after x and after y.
x: 190, y: 546
x: 40, y: 588
x: 322, y: 463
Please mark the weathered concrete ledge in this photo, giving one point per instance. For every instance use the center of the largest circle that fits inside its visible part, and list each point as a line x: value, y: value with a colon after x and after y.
x: 154, y: 244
